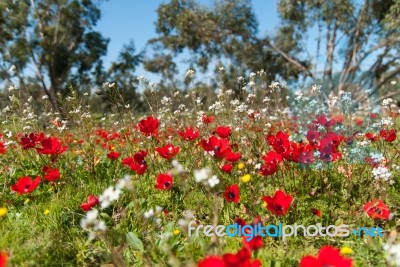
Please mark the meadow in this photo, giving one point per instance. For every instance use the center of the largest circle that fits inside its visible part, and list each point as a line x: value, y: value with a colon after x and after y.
x: 120, y: 189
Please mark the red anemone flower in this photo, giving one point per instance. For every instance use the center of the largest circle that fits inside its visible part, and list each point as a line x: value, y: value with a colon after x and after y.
x: 207, y: 119
x: 30, y: 141
x: 164, y: 181
x: 227, y: 168
x: 223, y: 131
x: 113, y: 155
x: 316, y: 212
x: 219, y: 146
x: 241, y: 258
x: 232, y: 193
x: 148, y: 126
x: 50, y: 174
x: 255, y: 243
x: 388, y: 135
x: 278, y: 204
x: 25, y: 185
x: 90, y: 203
x: 268, y: 169
x: 233, y: 157
x: 168, y: 151
x: 137, y: 162
x: 212, y: 261
x: 3, y: 148
x: 372, y: 137
x: 3, y: 258
x: 51, y: 146
x: 327, y: 256
x: 189, y: 134
x: 377, y: 209
x: 272, y: 158
x: 280, y: 142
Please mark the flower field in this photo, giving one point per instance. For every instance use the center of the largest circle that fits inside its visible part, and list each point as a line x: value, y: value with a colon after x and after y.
x: 121, y: 189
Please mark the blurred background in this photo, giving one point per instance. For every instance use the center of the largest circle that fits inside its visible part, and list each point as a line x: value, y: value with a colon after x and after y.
x: 49, y: 48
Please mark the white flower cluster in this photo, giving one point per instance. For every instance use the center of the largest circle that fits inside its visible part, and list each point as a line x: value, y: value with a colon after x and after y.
x: 316, y: 88
x: 377, y: 157
x: 91, y: 222
x: 111, y: 194
x: 204, y: 175
x: 381, y: 173
x: 151, y: 212
x: 188, y: 216
x: 393, y: 253
x: 387, y: 121
x: 387, y: 101
x: 217, y: 106
x: 189, y: 74
x: 166, y: 100
x: 178, y: 168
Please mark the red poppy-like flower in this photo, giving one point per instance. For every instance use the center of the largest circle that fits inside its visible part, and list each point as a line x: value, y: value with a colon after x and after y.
x: 377, y: 209
x: 272, y: 158
x: 90, y: 203
x: 255, y: 243
x: 137, y: 162
x: 328, y: 147
x: 232, y: 193
x: 223, y: 131
x: 189, y: 134
x: 30, y: 141
x: 219, y: 146
x: 207, y: 119
x: 51, y: 174
x: 148, y: 126
x: 241, y: 258
x: 25, y: 185
x: 373, y: 115
x: 268, y: 169
x: 164, y: 181
x: 278, y: 204
x: 327, y: 256
x: 388, y: 135
x: 227, y: 168
x: 3, y: 258
x: 139, y: 157
x: 358, y: 121
x: 232, y: 156
x: 312, y: 137
x: 316, y: 212
x: 3, y: 148
x: 113, y: 155
x: 280, y: 141
x: 306, y: 157
x: 51, y: 146
x: 212, y: 261
x: 168, y: 151
x: 372, y: 137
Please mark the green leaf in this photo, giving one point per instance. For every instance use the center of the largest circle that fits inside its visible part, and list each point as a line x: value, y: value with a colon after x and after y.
x: 134, y: 241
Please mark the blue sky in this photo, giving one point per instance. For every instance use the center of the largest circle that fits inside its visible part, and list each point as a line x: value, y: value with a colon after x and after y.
x: 125, y: 20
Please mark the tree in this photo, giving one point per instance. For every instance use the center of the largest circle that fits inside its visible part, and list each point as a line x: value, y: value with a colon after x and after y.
x: 121, y: 74
x: 357, y: 41
x: 224, y: 34
x: 52, y: 41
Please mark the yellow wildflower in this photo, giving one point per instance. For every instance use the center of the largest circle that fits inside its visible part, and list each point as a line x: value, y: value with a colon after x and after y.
x: 346, y: 251
x: 3, y: 211
x: 246, y: 178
